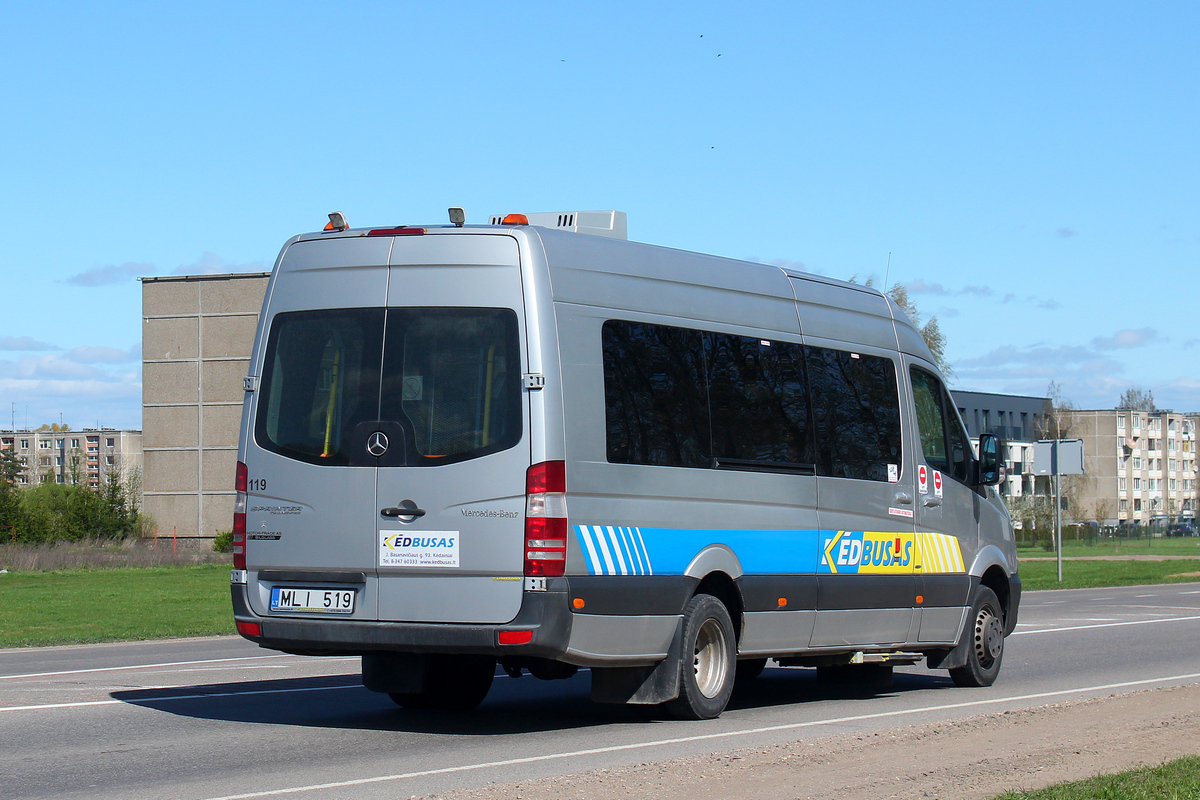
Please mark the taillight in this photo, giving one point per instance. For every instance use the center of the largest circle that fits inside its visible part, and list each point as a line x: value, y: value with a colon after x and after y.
x: 401, y: 231
x: 239, y: 517
x: 249, y: 628
x: 546, y: 519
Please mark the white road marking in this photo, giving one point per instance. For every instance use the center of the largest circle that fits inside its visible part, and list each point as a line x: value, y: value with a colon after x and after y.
x: 163, y: 698
x: 146, y: 666
x: 698, y: 738
x: 1108, y: 625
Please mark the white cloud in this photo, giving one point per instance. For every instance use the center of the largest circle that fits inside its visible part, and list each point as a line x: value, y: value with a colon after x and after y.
x: 1126, y: 338
x: 921, y: 286
x: 112, y: 273
x: 25, y: 343
x: 100, y: 355
x: 49, y: 367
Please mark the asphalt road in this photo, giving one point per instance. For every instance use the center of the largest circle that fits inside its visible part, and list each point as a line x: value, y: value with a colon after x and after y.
x: 202, y: 719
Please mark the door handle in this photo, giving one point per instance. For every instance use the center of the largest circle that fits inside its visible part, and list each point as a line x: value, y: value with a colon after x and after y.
x: 932, y: 502
x: 393, y: 511
x: 904, y: 497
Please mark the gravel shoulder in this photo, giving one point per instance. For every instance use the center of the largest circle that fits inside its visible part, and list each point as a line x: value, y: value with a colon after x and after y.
x: 976, y: 757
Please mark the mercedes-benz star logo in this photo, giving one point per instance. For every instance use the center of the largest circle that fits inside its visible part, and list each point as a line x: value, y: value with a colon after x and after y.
x: 377, y: 445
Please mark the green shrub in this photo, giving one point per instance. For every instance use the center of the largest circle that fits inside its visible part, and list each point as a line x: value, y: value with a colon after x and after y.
x: 223, y: 543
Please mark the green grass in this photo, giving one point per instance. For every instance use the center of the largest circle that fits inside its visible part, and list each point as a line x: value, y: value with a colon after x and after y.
x: 1176, y: 546
x: 1175, y: 780
x: 1093, y: 574
x: 80, y: 606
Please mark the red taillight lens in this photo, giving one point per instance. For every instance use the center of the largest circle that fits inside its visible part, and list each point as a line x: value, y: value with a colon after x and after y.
x: 514, y: 637
x: 239, y: 516
x: 249, y: 629
x: 546, y: 519
x: 397, y: 232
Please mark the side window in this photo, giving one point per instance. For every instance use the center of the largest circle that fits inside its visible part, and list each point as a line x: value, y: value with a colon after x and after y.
x: 931, y: 420
x: 944, y: 443
x: 677, y: 397
x: 758, y: 399
x: 856, y: 414
x: 655, y: 395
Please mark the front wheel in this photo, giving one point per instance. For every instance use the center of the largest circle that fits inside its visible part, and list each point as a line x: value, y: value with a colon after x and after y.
x: 709, y: 655
x: 985, y: 629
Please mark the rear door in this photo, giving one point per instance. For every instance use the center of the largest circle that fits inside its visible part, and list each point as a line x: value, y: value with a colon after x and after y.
x: 454, y: 420
x: 311, y: 500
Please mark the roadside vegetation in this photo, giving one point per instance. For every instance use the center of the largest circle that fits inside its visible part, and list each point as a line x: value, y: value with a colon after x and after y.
x: 1178, y: 546
x: 83, y: 606
x: 1175, y: 780
x: 68, y: 511
x: 1095, y: 574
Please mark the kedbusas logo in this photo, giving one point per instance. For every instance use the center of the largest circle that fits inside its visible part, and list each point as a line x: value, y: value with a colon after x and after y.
x: 850, y: 552
x: 402, y: 542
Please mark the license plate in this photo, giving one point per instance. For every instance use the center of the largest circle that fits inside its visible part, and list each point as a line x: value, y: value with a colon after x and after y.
x: 312, y: 601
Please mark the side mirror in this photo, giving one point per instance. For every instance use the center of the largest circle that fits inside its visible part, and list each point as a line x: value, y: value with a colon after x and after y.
x: 987, y: 469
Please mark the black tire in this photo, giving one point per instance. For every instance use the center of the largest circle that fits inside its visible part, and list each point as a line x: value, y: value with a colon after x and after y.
x: 750, y: 668
x: 709, y: 657
x: 452, y: 683
x: 985, y: 641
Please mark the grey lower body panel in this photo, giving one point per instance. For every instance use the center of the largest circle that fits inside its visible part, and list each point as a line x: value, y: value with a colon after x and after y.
x: 770, y: 632
x: 865, y: 627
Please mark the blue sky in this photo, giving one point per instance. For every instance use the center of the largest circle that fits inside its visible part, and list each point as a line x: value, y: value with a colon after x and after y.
x: 1033, y: 169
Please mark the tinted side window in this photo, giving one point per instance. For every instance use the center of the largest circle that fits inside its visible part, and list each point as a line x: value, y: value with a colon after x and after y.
x: 944, y: 443
x: 931, y: 423
x: 655, y: 395
x: 321, y: 380
x: 856, y: 413
x: 758, y: 399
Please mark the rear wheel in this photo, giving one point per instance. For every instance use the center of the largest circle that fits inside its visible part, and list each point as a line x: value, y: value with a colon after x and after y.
x: 985, y: 632
x: 709, y: 656
x: 452, y: 683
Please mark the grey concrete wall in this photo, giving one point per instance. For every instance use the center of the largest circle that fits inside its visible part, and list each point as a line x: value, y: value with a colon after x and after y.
x: 197, y: 333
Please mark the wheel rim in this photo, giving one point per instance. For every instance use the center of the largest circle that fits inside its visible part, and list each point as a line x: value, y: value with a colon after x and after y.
x: 711, y: 658
x: 989, y: 637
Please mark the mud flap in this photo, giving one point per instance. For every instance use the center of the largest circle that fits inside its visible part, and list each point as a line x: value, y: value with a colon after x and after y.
x: 956, y: 656
x: 648, y: 685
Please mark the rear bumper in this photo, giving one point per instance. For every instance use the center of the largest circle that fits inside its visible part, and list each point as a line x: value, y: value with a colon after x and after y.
x: 546, y: 614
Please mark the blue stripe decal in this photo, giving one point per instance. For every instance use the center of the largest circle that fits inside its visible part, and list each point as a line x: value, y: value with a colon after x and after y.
x: 610, y: 550
x: 668, y: 551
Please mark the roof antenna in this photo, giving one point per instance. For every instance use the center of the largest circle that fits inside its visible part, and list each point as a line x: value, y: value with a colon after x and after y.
x: 888, y: 271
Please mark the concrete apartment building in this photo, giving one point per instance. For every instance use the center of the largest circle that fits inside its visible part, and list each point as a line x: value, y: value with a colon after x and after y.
x: 84, y: 457
x: 197, y: 333
x: 1141, y: 466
